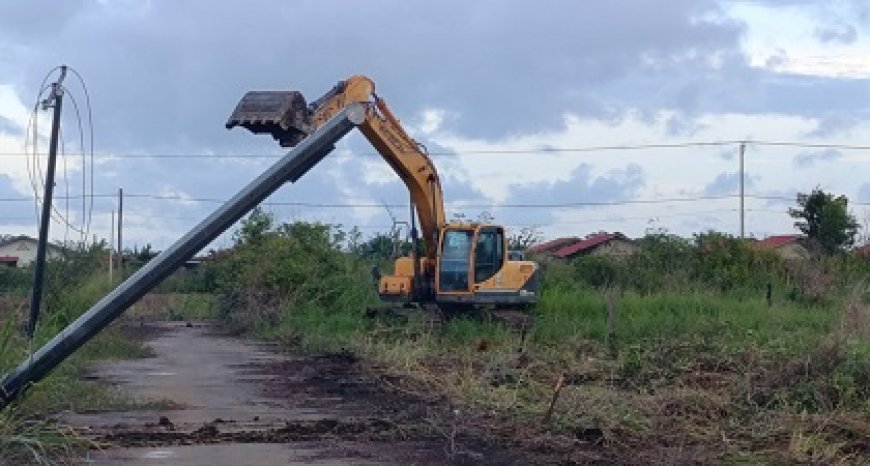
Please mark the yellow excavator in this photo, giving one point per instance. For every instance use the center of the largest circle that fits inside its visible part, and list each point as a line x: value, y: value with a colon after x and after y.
x: 463, y: 265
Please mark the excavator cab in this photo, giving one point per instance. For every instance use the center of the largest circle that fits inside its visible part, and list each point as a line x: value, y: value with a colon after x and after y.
x: 469, y: 257
x: 473, y: 268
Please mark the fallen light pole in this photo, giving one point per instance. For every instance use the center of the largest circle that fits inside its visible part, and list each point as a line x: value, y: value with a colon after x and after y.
x: 289, y: 168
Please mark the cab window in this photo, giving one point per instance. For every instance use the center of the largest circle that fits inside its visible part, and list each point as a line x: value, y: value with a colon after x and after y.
x: 488, y: 254
x: 455, y: 257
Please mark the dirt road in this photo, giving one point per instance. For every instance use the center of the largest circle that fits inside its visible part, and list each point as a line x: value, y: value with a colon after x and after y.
x: 241, y: 403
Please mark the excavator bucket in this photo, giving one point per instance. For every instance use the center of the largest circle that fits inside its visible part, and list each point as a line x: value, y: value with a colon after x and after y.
x: 283, y: 114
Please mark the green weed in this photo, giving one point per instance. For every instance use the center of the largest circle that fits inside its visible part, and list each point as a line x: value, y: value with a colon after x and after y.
x: 697, y: 367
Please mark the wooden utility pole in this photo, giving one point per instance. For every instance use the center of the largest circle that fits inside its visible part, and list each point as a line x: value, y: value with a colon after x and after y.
x: 111, y: 246
x: 120, y: 226
x: 742, y: 191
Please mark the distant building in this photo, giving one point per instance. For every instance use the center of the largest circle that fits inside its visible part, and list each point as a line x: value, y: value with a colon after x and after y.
x: 862, y: 251
x: 551, y: 246
x: 20, y: 251
x: 598, y: 244
x: 610, y: 244
x: 792, y: 247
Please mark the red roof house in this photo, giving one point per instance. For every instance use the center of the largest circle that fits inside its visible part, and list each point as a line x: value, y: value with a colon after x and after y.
x: 615, y: 244
x: 787, y: 246
x: 551, y: 246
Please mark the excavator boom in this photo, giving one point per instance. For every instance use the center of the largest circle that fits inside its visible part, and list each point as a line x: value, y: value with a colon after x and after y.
x: 286, y: 117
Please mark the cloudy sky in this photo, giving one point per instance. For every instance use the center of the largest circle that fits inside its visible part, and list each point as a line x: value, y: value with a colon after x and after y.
x: 534, y: 111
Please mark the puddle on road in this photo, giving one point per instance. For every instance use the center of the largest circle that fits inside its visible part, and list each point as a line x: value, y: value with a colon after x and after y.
x: 158, y: 455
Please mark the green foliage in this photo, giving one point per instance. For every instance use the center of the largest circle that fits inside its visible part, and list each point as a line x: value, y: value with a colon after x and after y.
x: 663, y: 262
x: 137, y: 257
x: 276, y: 269
x: 193, y: 306
x: 379, y: 249
x: 825, y: 219
x: 14, y: 279
x: 727, y: 263
x: 255, y: 227
x: 601, y: 271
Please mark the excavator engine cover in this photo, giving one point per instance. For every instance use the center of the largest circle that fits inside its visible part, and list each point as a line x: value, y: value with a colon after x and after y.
x: 283, y: 114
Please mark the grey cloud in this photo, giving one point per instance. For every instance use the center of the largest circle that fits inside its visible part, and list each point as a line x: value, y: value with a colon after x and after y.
x: 15, y: 212
x: 681, y: 125
x: 809, y: 158
x: 833, y: 124
x: 728, y: 183
x: 182, y: 66
x: 778, y: 59
x: 864, y: 193
x: 840, y: 33
x: 9, y: 127
x: 394, y: 191
x: 780, y: 198
x: 32, y: 18
x: 580, y: 187
x: 166, y: 77
x: 728, y: 154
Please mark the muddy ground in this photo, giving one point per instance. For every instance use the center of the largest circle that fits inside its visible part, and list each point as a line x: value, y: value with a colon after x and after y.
x: 224, y: 401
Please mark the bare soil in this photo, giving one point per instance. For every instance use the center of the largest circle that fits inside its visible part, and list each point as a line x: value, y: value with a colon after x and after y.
x: 243, y: 403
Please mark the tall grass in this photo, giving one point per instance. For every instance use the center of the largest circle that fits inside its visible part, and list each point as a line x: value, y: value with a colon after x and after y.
x: 23, y: 438
x: 570, y: 313
x: 26, y: 440
x: 697, y: 353
x: 27, y: 432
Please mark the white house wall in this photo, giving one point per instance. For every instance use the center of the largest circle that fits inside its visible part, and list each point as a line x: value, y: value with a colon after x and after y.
x: 25, y: 251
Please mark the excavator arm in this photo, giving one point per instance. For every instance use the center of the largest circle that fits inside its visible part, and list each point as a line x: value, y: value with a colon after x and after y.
x: 289, y: 120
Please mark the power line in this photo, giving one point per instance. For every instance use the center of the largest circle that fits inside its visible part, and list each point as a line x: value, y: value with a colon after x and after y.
x: 579, y: 222
x: 539, y: 150
x: 163, y: 197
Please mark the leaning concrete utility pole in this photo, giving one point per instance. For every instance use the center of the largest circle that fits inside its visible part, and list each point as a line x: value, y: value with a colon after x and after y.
x: 55, y: 99
x: 289, y: 168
